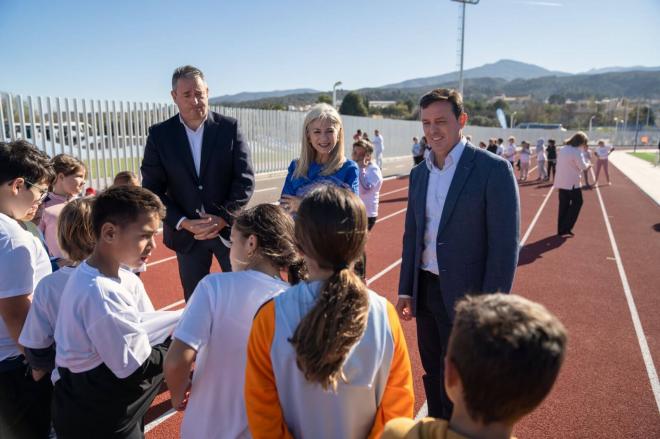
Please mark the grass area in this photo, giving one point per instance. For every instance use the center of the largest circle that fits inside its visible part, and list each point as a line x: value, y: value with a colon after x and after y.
x: 650, y: 157
x: 105, y: 167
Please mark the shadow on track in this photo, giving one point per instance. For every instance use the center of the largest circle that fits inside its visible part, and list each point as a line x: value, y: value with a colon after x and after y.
x: 533, y: 251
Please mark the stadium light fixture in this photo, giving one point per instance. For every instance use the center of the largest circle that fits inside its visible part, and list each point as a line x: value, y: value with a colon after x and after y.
x: 461, y: 41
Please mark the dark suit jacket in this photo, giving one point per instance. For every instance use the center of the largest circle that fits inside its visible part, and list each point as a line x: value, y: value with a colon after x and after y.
x: 226, y: 179
x: 477, y: 246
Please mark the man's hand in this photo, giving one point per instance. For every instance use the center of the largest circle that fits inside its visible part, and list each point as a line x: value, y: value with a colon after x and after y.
x: 404, y: 308
x: 290, y: 203
x: 207, y: 227
x: 38, y: 374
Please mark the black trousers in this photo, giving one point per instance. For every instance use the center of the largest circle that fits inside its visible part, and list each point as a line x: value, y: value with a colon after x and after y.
x: 24, y: 403
x: 196, y: 264
x: 361, y: 264
x: 433, y: 328
x: 570, y: 203
x: 552, y: 167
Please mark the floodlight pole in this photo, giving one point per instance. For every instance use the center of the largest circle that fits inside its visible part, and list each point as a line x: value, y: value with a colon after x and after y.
x: 462, y: 41
x: 334, y: 93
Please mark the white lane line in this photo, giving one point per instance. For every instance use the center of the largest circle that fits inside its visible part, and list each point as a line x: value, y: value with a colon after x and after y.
x: 536, y: 217
x: 383, y: 273
x: 266, y: 189
x: 637, y: 323
x: 160, y: 261
x: 159, y: 420
x: 423, y: 411
x: 172, y: 305
x: 391, y: 215
x: 394, y: 191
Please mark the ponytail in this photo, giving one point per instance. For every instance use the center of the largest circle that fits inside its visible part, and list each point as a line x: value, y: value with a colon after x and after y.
x: 327, y: 333
x: 331, y: 228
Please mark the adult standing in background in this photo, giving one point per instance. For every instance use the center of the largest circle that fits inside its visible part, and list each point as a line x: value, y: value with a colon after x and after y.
x: 509, y: 151
x: 199, y: 165
x: 461, y: 234
x: 492, y: 146
x: 570, y: 165
x: 603, y: 152
x: 379, y: 147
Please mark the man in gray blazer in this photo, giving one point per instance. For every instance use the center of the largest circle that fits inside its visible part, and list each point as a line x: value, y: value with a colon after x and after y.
x: 461, y: 234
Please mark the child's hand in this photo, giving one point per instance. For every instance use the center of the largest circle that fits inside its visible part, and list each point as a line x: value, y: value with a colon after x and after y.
x: 290, y: 203
x: 38, y: 374
x: 180, y: 405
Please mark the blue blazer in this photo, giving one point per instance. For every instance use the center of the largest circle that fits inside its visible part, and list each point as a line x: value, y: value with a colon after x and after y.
x: 478, y: 236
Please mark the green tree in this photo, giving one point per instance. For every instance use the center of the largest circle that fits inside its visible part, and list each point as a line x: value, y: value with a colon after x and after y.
x: 353, y: 105
x: 324, y: 98
x: 557, y: 99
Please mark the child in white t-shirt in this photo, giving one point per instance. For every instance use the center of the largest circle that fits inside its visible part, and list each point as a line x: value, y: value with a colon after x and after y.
x: 25, y: 174
x: 524, y: 160
x: 109, y: 371
x: 214, y: 329
x: 603, y: 152
x: 75, y: 238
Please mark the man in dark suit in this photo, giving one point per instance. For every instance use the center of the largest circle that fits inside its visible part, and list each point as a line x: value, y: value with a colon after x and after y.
x: 199, y: 165
x: 461, y: 234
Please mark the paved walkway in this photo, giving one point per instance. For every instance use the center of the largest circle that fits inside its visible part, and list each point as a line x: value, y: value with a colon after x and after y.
x: 642, y: 173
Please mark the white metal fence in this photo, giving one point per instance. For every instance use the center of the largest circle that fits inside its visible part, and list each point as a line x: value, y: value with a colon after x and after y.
x: 109, y: 136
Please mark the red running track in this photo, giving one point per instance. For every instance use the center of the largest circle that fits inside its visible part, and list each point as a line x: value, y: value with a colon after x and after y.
x: 604, y: 389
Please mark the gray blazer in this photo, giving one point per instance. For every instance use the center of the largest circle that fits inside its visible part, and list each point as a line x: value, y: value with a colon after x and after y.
x: 479, y: 230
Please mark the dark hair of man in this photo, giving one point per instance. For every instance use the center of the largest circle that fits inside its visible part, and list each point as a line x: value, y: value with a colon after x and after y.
x: 66, y: 165
x: 447, y: 95
x: 500, y: 140
x: 274, y: 230
x: 331, y: 228
x: 508, y: 352
x: 22, y: 159
x: 577, y: 139
x: 188, y: 72
x: 123, y: 205
x: 551, y: 142
x: 367, y: 145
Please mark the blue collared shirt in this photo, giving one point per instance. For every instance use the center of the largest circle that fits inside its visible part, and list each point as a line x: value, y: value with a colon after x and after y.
x: 345, y: 177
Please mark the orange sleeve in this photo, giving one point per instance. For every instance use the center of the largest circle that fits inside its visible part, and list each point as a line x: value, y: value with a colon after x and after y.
x: 262, y: 404
x: 398, y: 399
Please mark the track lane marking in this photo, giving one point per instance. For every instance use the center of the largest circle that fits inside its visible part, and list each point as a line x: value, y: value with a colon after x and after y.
x: 159, y: 420
x: 632, y: 307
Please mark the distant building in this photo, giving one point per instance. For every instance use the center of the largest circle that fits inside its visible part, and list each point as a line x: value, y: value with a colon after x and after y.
x: 381, y: 104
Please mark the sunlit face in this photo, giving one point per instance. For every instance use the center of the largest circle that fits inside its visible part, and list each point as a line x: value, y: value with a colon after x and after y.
x: 323, y: 134
x: 191, y: 96
x: 242, y: 250
x: 135, y: 241
x: 73, y: 184
x: 26, y: 197
x: 441, y: 128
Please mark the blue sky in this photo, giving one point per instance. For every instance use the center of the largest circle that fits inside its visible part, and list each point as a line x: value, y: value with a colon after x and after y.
x: 127, y: 49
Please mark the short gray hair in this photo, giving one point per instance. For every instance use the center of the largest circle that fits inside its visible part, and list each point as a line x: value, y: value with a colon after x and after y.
x: 188, y: 72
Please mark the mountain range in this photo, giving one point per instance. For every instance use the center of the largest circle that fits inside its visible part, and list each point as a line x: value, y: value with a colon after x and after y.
x: 504, y: 76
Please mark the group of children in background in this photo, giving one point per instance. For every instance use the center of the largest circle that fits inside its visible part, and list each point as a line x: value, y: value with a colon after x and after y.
x: 546, y: 156
x: 291, y: 343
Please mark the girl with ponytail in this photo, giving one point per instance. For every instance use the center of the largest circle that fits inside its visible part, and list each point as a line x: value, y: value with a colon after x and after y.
x: 214, y: 328
x: 327, y: 358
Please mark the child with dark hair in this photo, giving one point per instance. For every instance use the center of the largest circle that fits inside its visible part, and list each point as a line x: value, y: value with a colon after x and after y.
x: 109, y: 371
x: 552, y: 158
x: 25, y: 174
x: 76, y: 240
x: 214, y: 329
x: 69, y: 181
x: 327, y: 358
x: 504, y: 355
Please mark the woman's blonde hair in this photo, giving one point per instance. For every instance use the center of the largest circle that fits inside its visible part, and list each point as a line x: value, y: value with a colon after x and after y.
x: 308, y: 153
x: 75, y: 234
x: 331, y: 228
